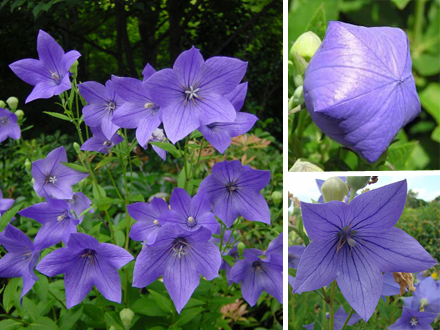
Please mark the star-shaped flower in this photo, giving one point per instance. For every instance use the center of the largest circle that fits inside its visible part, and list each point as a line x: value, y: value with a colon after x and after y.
x: 102, y: 142
x: 426, y: 296
x: 49, y: 74
x: 355, y: 243
x: 412, y: 319
x: 233, y: 189
x: 53, y: 178
x: 86, y: 262
x: 359, y: 87
x: 192, y: 93
x: 8, y: 125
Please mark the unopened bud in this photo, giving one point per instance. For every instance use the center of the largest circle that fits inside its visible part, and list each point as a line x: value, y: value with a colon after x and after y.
x: 277, y: 197
x: 77, y: 147
x: 304, y: 166
x: 19, y: 114
x: 27, y: 165
x: 298, y: 96
x: 126, y: 316
x: 240, y: 248
x: 357, y: 182
x: 306, y: 45
x: 2, y: 104
x: 74, y: 69
x: 12, y: 102
x: 334, y: 189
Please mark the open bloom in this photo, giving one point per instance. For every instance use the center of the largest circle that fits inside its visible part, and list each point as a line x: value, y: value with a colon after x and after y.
x: 180, y: 256
x: 21, y: 258
x: 158, y: 136
x: 49, y: 74
x: 101, y: 141
x: 190, y: 213
x: 78, y: 204
x: 86, y: 262
x: 233, y: 189
x: 355, y: 243
x: 53, y: 178
x: 412, y: 319
x: 276, y: 245
x: 146, y: 215
x: 102, y: 103
x: 359, y: 87
x: 426, y: 296
x: 256, y: 275
x: 294, y: 255
x: 192, y: 93
x: 57, y: 220
x: 8, y: 125
x: 5, y: 203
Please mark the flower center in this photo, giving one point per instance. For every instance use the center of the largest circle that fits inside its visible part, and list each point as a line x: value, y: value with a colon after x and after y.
x: 191, y: 94
x: 4, y: 121
x: 89, y: 254
x: 51, y: 179
x: 346, y: 236
x: 413, y: 321
x: 423, y: 302
x: 232, y: 187
x: 156, y: 222
x: 110, y: 107
x: 107, y: 143
x: 179, y: 247
x: 62, y: 217
x: 26, y: 256
x: 55, y: 76
x: 214, y: 127
x: 153, y: 107
x: 191, y: 222
x: 257, y: 264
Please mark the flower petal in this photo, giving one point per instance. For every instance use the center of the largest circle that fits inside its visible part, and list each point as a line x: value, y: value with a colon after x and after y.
x: 238, y: 95
x: 50, y: 52
x: 187, y: 66
x: 31, y: 71
x: 78, y: 281
x: 116, y: 256
x: 106, y: 279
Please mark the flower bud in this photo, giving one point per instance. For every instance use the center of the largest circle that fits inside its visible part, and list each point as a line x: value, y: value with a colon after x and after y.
x: 334, y: 189
x: 357, y: 182
x: 27, y: 165
x: 306, y: 45
x: 12, y: 102
x: 74, y: 69
x: 298, y: 95
x: 19, y: 114
x: 126, y: 316
x: 240, y: 248
x: 2, y: 104
x: 277, y: 197
x: 298, y: 80
x: 304, y: 166
x: 77, y: 147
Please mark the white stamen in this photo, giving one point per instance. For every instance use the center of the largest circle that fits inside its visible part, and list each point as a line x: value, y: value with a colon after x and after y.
x: 156, y: 222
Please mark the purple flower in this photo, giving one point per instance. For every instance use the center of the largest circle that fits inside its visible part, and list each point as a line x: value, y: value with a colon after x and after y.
x: 21, y: 258
x: 390, y: 286
x: 57, y: 220
x: 412, y: 319
x: 86, y: 262
x: 8, y: 125
x: 256, y: 275
x: 355, y: 243
x: 5, y: 203
x: 49, y: 74
x: 426, y: 296
x: 146, y: 215
x: 359, y: 88
x: 180, y: 256
x: 138, y: 111
x: 53, y: 178
x: 102, y: 103
x: 226, y: 267
x: 276, y: 246
x: 291, y: 281
x: 101, y: 141
x: 220, y: 134
x: 191, y: 214
x: 158, y: 136
x: 233, y: 189
x: 79, y: 203
x: 147, y: 72
x: 294, y: 255
x: 192, y: 93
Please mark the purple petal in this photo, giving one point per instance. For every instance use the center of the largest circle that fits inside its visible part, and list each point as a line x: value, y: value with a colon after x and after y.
x: 390, y: 287
x: 165, y: 89
x: 69, y: 58
x: 55, y: 231
x: 162, y: 153
x: 238, y: 95
x: 50, y: 52
x: 106, y: 279
x: 131, y: 90
x: 13, y: 264
x: 251, y: 206
x: 424, y: 320
x: 14, y: 240
x: 116, y: 256
x: 294, y: 255
x: 217, y: 136
x: 147, y: 125
x: 31, y: 71
x: 57, y: 262
x: 180, y: 202
x: 187, y: 66
x: 78, y: 281
x: 148, y: 71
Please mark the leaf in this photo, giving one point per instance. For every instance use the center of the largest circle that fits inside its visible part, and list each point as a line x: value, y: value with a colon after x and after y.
x: 187, y: 315
x: 399, y: 154
x: 76, y: 167
x: 181, y: 179
x: 112, y: 319
x: 430, y: 99
x: 427, y: 64
x: 58, y: 115
x: 8, y: 294
x: 163, y: 302
x: 98, y: 192
x: 105, y: 161
x: 31, y: 308
x: 8, y: 215
x: 43, y: 323
x: 147, y: 306
x: 119, y: 238
x: 9, y: 325
x: 195, y: 134
x: 168, y: 147
x: 318, y: 23
x: 401, y: 4
x: 435, y: 136
x: 69, y: 319
x: 41, y: 287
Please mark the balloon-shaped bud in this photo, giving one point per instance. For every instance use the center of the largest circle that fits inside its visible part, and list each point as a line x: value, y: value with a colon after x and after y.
x: 2, y: 104
x: 126, y: 316
x: 77, y: 148
x: 334, y: 189
x: 12, y: 102
x: 357, y: 182
x: 19, y: 114
x: 277, y: 197
x: 240, y: 248
x: 306, y: 45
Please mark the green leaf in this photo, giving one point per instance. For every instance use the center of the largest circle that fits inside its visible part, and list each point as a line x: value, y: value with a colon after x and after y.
x: 87, y: 210
x: 181, y: 179
x: 113, y: 319
x: 119, y: 238
x: 68, y: 320
x: 98, y: 192
x: 8, y: 215
x: 30, y: 308
x: 435, y: 136
x: 8, y: 294
x: 399, y: 154
x: 58, y: 115
x: 195, y: 134
x: 168, y: 147
x: 76, y: 167
x: 427, y: 64
x: 10, y: 325
x: 318, y: 23
x: 229, y: 259
x: 430, y: 99
x: 163, y: 302
x: 147, y: 306
x: 105, y: 161
x: 43, y: 323
x: 136, y: 198
x: 187, y: 315
x: 41, y: 287
x: 401, y: 4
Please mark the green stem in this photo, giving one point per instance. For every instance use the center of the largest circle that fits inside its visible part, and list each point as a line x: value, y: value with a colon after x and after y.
x: 348, y: 318
x: 418, y: 22
x: 352, y: 195
x: 332, y: 297
x: 60, y: 301
x: 114, y: 183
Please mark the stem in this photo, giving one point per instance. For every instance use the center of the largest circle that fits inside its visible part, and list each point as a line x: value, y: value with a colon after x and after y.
x: 348, y: 318
x: 418, y: 22
x: 114, y: 183
x: 352, y: 195
x: 332, y: 297
x: 60, y: 301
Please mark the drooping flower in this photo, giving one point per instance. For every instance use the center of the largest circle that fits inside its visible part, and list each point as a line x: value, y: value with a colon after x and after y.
x: 180, y: 256
x: 21, y: 258
x: 102, y: 101
x: 294, y: 255
x: 412, y: 319
x: 138, y: 111
x: 57, y: 220
x: 276, y: 245
x: 359, y: 87
x: 158, y: 136
x: 355, y: 243
x: 233, y: 189
x: 49, y: 74
x: 8, y: 125
x: 101, y: 141
x: 256, y: 275
x: 426, y: 296
x: 192, y: 93
x: 146, y: 215
x: 191, y: 214
x: 53, y: 178
x: 5, y: 203
x: 78, y: 204
x: 86, y: 262
x: 220, y: 134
